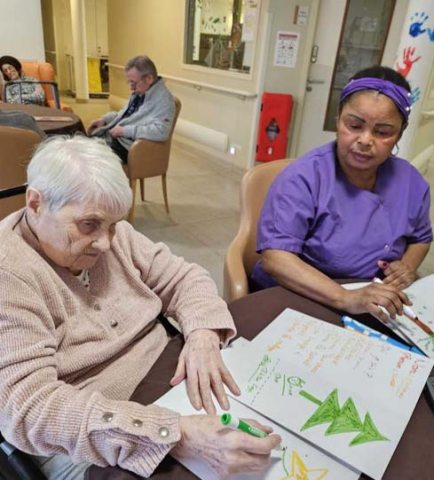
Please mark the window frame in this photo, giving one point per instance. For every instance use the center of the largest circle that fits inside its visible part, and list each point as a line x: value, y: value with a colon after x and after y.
x: 238, y: 75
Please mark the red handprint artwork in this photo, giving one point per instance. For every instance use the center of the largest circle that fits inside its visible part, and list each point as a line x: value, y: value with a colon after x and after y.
x: 408, y: 61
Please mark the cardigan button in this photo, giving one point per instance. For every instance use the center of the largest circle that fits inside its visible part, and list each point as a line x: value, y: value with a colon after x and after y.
x: 113, y: 323
x: 137, y: 423
x: 163, y: 432
x: 107, y: 417
x: 97, y: 307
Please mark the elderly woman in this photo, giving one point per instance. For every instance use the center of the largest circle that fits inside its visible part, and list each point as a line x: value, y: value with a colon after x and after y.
x: 23, y: 90
x: 80, y: 294
x: 350, y: 209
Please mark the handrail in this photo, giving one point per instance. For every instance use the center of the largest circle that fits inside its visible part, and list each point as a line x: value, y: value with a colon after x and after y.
x: 427, y: 113
x: 243, y: 94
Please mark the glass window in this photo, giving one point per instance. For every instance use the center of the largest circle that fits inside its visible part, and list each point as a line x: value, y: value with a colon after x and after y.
x: 220, y: 33
x: 364, y: 33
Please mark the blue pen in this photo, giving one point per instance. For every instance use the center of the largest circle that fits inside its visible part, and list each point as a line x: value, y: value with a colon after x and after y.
x: 356, y: 326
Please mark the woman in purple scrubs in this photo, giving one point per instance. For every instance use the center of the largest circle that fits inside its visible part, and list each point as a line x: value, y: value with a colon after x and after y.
x: 350, y: 208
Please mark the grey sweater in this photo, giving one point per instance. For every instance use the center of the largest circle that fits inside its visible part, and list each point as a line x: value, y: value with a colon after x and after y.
x: 152, y: 121
x: 70, y: 358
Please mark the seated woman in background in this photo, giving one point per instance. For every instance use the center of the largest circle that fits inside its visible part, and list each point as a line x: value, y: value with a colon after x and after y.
x: 81, y: 293
x: 350, y: 208
x: 21, y: 91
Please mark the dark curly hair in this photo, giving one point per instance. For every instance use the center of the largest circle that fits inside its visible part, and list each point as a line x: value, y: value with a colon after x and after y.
x: 7, y: 59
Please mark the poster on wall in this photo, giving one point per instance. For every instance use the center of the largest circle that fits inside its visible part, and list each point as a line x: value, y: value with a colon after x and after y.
x: 250, y: 14
x: 285, y: 54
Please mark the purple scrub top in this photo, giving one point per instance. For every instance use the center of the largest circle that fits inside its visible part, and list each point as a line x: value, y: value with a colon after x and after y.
x: 313, y: 211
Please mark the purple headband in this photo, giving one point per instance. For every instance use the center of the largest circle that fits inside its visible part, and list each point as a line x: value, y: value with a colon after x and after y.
x: 399, y: 95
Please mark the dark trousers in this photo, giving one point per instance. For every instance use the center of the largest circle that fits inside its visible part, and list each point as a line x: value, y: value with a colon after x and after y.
x: 120, y: 150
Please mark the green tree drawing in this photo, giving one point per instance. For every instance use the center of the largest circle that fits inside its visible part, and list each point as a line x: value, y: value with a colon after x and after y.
x: 342, y: 420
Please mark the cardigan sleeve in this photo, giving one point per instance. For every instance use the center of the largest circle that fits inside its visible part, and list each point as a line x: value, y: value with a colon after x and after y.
x: 109, y: 117
x: 187, y: 291
x: 43, y: 415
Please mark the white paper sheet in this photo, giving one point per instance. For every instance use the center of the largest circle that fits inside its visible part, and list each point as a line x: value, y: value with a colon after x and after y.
x: 298, y: 461
x: 346, y: 393
x: 421, y: 294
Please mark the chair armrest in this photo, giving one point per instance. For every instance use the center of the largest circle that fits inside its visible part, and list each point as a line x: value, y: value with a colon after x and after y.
x: 235, y: 281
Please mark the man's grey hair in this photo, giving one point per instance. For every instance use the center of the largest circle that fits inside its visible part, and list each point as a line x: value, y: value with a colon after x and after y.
x: 79, y: 170
x: 144, y: 65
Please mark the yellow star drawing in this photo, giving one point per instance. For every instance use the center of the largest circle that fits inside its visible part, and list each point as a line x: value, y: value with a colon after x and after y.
x: 299, y: 471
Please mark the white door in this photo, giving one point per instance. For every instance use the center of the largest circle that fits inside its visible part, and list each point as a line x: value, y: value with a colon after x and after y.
x: 329, y: 25
x: 320, y: 75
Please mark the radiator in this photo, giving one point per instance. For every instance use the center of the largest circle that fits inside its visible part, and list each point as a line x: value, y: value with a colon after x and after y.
x: 191, y: 131
x: 203, y: 135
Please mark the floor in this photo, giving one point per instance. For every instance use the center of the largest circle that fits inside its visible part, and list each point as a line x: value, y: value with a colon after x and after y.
x: 203, y: 200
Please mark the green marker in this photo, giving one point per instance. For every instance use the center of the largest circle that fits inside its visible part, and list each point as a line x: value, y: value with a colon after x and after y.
x: 233, y: 422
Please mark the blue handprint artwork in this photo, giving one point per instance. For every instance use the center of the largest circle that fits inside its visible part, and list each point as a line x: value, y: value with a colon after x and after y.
x: 415, y: 95
x: 418, y: 19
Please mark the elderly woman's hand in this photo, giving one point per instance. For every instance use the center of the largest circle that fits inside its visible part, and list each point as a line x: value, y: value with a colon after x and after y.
x: 398, y: 274
x: 201, y: 363
x: 227, y: 451
x: 373, y: 298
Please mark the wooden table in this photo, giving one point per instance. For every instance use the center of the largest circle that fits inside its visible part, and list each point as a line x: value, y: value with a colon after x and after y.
x: 67, y: 123
x: 414, y: 456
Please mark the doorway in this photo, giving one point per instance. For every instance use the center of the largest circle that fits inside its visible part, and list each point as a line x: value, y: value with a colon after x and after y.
x: 370, y: 35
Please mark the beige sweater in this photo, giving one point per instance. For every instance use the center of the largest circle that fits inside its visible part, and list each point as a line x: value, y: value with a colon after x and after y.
x: 70, y: 358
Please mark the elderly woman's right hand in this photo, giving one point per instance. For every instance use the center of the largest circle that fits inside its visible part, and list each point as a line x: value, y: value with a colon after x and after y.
x: 371, y: 298
x: 227, y: 451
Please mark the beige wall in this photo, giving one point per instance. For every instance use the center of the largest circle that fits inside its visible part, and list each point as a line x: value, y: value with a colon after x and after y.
x: 56, y: 16
x: 57, y: 23
x: 21, y: 30
x: 156, y: 27
x: 425, y: 131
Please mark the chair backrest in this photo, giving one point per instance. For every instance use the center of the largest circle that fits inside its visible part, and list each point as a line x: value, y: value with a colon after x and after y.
x: 158, y: 154
x: 16, y: 149
x: 241, y: 255
x: 45, y: 73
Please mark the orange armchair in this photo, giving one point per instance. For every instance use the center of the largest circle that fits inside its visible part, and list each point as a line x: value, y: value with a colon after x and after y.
x: 44, y: 72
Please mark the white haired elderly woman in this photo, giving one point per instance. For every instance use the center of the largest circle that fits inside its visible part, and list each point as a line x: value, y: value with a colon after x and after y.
x: 80, y: 293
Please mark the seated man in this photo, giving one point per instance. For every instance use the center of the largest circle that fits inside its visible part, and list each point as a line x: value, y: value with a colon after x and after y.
x: 149, y: 113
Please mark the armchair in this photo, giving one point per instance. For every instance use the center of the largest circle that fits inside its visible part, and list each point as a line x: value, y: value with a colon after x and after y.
x: 44, y: 72
x: 241, y: 255
x: 16, y: 148
x: 147, y: 159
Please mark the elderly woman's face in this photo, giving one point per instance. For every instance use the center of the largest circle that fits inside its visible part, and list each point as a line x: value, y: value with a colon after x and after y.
x: 367, y: 130
x: 10, y: 71
x: 75, y: 236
